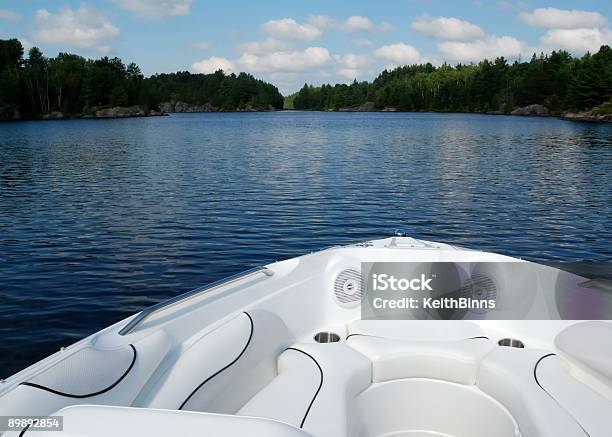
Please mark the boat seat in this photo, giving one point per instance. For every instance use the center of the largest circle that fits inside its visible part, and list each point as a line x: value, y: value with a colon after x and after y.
x: 537, y: 389
x: 313, y: 388
x: 220, y: 370
x: 90, y: 374
x: 585, y: 405
x: 416, y: 330
x: 589, y: 345
x: 455, y: 361
x: 96, y: 421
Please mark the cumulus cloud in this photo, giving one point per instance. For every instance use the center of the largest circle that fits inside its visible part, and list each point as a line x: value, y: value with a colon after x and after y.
x: 447, y: 28
x: 288, y: 28
x: 399, y: 53
x: 353, y: 61
x: 212, y: 64
x: 489, y: 47
x: 26, y: 44
x: 355, y: 23
x: 298, y: 60
x: 156, y: 9
x: 362, y: 42
x: 85, y: 28
x: 553, y: 18
x: 349, y: 73
x: 269, y: 45
x: 351, y: 65
x: 577, y: 40
x: 9, y: 15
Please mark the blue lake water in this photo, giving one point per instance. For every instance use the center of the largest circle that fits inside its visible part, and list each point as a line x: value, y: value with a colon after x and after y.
x: 99, y: 218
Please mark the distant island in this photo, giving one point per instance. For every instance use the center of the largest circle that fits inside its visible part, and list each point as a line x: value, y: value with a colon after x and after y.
x: 70, y: 86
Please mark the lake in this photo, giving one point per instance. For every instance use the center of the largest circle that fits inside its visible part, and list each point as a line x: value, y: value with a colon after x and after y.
x: 99, y: 218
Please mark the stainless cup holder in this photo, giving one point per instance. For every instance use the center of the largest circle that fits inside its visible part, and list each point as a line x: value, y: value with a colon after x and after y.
x: 511, y: 342
x: 326, y: 337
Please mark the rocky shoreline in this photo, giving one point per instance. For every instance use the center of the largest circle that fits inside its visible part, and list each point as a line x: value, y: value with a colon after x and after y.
x: 596, y: 114
x: 11, y: 113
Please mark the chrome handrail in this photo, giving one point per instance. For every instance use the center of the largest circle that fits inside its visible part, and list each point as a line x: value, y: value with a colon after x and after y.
x: 144, y: 314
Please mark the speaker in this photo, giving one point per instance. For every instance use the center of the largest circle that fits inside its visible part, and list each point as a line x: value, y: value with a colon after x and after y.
x: 479, y: 286
x: 348, y: 287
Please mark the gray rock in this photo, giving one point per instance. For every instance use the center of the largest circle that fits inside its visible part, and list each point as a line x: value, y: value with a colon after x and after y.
x: 536, y: 109
x: 120, y: 112
x: 366, y: 107
x: 166, y: 107
x: 188, y: 107
x: 389, y: 109
x: 53, y: 115
x: 586, y: 116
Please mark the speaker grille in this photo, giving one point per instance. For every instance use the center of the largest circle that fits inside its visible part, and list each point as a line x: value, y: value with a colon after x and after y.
x: 348, y: 286
x: 479, y: 287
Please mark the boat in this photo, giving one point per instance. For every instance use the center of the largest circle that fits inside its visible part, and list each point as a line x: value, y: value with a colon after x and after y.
x: 287, y: 350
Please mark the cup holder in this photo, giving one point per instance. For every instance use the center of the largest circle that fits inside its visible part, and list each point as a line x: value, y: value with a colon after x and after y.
x: 511, y: 342
x: 326, y: 337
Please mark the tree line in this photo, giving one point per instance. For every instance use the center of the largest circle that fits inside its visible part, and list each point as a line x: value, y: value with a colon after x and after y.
x: 71, y: 84
x: 557, y: 81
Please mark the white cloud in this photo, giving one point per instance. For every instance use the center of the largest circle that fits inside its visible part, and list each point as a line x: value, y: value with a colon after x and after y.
x: 156, y: 9
x: 323, y: 22
x: 212, y: 64
x: 9, y: 15
x: 363, y: 42
x: 351, y: 65
x: 299, y: 60
x: 269, y: 45
x: 202, y: 45
x: 288, y: 28
x: 399, y: 53
x: 26, y: 44
x: 553, y: 18
x: 353, y: 61
x: 577, y: 40
x: 489, y: 47
x: 447, y: 28
x: 349, y: 73
x: 357, y: 23
x: 85, y: 28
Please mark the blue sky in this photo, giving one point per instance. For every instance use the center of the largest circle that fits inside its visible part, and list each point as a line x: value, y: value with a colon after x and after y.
x: 314, y: 41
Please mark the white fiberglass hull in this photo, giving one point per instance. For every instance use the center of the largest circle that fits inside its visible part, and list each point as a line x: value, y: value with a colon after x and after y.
x: 242, y: 357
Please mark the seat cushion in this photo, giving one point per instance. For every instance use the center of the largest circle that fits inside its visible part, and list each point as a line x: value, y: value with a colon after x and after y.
x: 589, y: 344
x: 99, y: 421
x: 507, y: 374
x: 416, y: 330
x: 313, y: 388
x: 455, y: 361
x: 222, y: 369
x: 590, y: 409
x: 129, y: 382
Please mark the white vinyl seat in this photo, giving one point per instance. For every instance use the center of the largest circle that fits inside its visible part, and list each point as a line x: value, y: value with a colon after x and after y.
x: 104, y: 421
x: 219, y: 371
x: 588, y: 344
x: 541, y: 394
x: 455, y: 361
x: 416, y: 330
x: 313, y: 389
x: 91, y: 375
